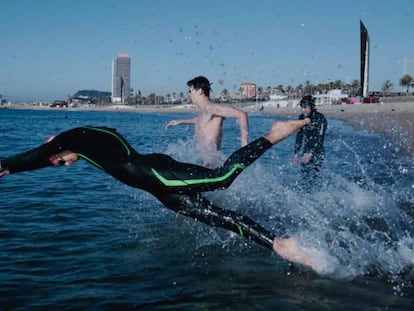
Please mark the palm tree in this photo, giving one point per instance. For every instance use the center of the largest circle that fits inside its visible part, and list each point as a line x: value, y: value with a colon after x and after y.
x: 224, y: 94
x: 406, y: 81
x: 259, y: 92
x: 299, y: 90
x: 268, y: 90
x: 354, y: 87
x: 289, y: 90
x: 387, y: 87
x: 152, y: 99
x: 279, y: 89
x: 337, y: 84
x: 308, y: 89
x: 322, y: 88
x: 241, y: 89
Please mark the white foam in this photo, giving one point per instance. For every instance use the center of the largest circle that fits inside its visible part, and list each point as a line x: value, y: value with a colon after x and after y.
x: 406, y: 249
x: 324, y: 263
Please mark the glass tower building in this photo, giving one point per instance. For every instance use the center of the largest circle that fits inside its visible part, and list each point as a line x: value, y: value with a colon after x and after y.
x: 121, y: 78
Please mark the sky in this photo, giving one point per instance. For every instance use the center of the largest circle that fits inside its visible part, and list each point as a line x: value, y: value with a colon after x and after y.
x: 50, y: 49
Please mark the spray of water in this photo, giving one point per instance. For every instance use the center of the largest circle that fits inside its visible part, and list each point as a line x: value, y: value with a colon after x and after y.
x: 350, y: 225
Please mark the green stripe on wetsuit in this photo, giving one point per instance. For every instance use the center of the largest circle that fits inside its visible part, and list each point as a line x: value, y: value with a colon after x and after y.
x: 90, y: 160
x: 240, y: 231
x: 182, y: 182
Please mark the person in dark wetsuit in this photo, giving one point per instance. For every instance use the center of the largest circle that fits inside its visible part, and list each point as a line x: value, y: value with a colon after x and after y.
x: 177, y: 185
x: 312, y: 138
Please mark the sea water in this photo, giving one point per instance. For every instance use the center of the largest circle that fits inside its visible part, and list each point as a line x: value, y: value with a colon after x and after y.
x: 74, y: 238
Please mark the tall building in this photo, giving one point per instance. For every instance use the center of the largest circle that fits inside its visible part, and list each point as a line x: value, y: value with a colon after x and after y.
x: 121, y: 78
x: 364, y: 72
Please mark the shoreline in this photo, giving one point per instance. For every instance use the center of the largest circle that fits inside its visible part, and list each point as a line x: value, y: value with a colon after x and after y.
x: 395, y: 120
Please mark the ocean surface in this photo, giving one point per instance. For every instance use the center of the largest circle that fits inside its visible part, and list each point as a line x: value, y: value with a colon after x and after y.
x: 74, y: 238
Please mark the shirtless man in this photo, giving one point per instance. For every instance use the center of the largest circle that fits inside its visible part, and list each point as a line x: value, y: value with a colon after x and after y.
x: 209, y: 121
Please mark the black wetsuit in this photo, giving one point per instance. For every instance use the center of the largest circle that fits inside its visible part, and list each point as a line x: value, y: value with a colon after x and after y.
x: 177, y: 185
x: 312, y: 136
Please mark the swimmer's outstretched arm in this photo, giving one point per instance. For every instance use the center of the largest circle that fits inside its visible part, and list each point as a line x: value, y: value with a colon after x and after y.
x: 101, y: 146
x: 3, y: 171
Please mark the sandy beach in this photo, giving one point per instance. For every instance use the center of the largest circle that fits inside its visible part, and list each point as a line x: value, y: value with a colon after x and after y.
x: 393, y: 119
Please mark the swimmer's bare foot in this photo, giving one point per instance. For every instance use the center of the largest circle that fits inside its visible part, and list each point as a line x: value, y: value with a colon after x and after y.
x: 289, y: 250
x: 282, y: 130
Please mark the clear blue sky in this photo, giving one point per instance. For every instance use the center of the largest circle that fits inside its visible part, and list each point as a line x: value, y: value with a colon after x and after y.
x: 52, y: 48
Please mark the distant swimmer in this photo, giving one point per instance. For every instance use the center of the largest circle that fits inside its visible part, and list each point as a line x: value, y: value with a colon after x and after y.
x: 179, y: 186
x: 208, y: 124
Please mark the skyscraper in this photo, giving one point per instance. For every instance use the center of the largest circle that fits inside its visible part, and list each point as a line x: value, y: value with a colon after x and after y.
x: 121, y: 78
x: 364, y: 72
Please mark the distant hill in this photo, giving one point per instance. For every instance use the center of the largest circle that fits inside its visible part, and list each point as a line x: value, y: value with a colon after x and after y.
x: 91, y: 93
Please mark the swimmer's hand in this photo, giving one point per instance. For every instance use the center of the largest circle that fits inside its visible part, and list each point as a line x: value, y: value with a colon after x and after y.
x: 3, y: 171
x: 171, y: 123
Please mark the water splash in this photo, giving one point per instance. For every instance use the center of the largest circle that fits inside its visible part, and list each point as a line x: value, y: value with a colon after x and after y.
x: 352, y: 225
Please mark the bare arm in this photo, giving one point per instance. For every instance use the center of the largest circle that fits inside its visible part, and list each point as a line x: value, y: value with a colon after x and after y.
x: 180, y: 122
x: 235, y: 113
x: 3, y: 171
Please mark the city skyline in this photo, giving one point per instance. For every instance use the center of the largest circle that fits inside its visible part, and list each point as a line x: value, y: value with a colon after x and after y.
x: 51, y: 51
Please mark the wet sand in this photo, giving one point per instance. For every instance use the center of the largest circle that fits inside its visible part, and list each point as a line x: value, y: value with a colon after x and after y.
x: 394, y: 120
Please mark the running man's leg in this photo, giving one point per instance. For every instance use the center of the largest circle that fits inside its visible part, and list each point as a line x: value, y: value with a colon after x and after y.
x: 184, y: 178
x: 282, y: 130
x: 245, y: 156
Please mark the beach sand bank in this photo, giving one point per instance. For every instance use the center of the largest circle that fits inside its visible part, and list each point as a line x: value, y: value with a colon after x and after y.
x: 394, y: 120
